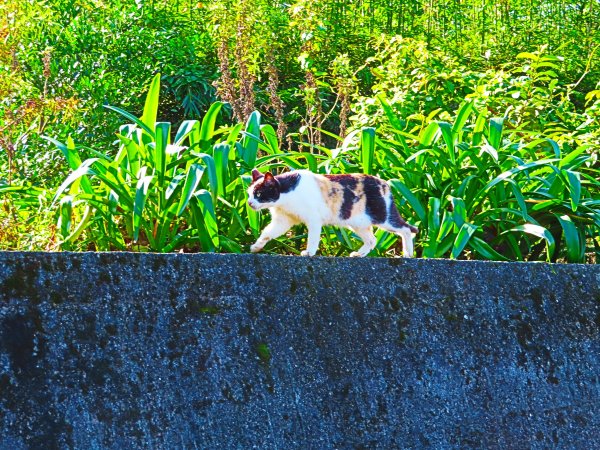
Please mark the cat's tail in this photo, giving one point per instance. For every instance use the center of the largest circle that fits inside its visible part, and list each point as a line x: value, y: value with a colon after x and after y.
x: 395, y: 219
x: 413, y: 229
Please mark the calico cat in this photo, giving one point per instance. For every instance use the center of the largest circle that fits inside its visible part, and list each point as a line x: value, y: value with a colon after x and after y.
x: 355, y: 201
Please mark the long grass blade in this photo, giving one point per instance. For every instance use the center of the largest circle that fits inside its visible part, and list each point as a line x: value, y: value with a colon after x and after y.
x: 251, y: 139
x: 207, y: 210
x: 192, y: 180
x: 207, y: 129
x: 496, y: 126
x: 367, y: 146
x: 575, y: 245
x: 151, y: 106
x: 462, y: 238
x: 141, y: 194
x: 574, y: 186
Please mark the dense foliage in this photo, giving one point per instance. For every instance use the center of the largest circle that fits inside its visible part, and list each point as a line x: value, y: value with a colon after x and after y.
x: 483, y: 116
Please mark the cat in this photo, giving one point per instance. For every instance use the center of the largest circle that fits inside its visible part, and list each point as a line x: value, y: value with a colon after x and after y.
x: 355, y: 201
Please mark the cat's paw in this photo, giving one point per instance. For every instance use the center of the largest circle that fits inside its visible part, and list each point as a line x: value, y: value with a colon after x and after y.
x: 256, y: 248
x: 356, y: 255
x: 306, y: 253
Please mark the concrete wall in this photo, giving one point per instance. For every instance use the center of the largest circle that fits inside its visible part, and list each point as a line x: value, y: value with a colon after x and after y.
x: 240, y: 351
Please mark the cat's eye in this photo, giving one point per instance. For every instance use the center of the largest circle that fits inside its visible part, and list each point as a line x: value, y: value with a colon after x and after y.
x: 258, y: 195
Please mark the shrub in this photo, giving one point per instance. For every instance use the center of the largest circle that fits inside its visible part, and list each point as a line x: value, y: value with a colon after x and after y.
x: 479, y: 194
x: 158, y: 196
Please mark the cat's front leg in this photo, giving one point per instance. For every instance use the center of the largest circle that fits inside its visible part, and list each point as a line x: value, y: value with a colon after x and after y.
x: 279, y: 225
x: 369, y: 241
x: 314, y: 236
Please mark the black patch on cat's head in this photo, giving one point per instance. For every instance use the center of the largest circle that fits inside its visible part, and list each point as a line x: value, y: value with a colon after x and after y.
x: 288, y: 181
x: 267, y: 190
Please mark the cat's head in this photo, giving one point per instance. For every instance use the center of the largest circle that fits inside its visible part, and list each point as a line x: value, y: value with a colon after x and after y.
x: 264, y: 190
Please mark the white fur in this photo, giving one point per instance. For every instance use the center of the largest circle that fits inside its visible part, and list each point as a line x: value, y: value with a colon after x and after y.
x: 305, y: 204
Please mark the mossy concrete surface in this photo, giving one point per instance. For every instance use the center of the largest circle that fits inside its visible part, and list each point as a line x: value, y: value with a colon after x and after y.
x: 241, y: 351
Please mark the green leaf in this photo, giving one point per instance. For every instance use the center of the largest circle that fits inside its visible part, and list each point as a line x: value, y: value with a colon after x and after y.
x: 459, y: 213
x: 81, y: 226
x: 554, y: 146
x: 446, y: 129
x: 207, y: 130
x: 483, y: 248
x: 192, y: 180
x: 174, y: 184
x: 270, y: 138
x: 163, y: 135
x: 251, y: 139
x: 574, y: 185
x: 367, y: 144
x: 479, y: 128
x: 527, y: 55
x: 433, y: 215
x: 572, y: 156
x: 538, y: 231
x: 208, y: 214
x: 509, y: 173
x: 151, y: 106
x: 390, y: 114
x: 446, y: 225
x: 412, y: 200
x: 118, y: 185
x: 575, y: 246
x: 234, y: 132
x: 141, y: 194
x: 84, y: 169
x: 465, y: 184
x: 221, y: 157
x: 66, y: 213
x: 464, y: 111
x: 186, y: 128
x: 213, y: 179
x: 426, y: 137
x: 487, y: 148
x: 516, y: 189
x: 138, y: 122
x: 462, y: 238
x: 433, y: 228
x: 70, y: 153
x: 495, y: 132
x: 253, y: 216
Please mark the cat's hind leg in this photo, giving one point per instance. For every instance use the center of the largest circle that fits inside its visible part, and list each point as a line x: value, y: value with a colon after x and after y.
x: 279, y: 225
x: 369, y: 241
x: 406, y: 234
x: 397, y: 225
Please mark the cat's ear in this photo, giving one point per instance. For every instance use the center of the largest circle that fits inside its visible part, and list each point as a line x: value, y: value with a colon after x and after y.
x: 256, y: 175
x: 269, y: 179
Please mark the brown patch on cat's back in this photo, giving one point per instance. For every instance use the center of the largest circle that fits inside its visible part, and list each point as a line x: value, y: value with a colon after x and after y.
x: 349, y: 189
x: 332, y: 192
